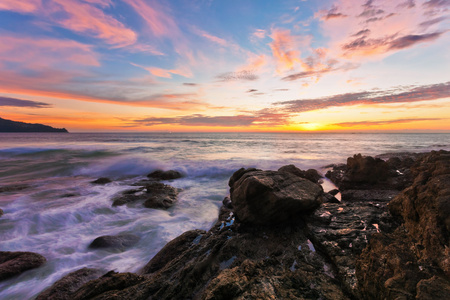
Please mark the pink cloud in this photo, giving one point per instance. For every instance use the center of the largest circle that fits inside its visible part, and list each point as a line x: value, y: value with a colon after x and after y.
x: 20, y: 6
x: 259, y: 33
x: 284, y: 49
x: 33, y: 53
x: 166, y: 73
x: 80, y: 17
x: 375, y: 29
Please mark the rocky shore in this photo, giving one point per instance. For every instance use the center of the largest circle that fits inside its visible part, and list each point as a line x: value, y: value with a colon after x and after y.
x: 280, y: 236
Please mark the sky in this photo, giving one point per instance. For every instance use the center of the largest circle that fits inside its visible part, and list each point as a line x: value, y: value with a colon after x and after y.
x: 235, y: 65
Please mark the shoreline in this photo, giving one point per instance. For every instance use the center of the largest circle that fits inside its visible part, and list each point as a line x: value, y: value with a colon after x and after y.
x: 338, y: 241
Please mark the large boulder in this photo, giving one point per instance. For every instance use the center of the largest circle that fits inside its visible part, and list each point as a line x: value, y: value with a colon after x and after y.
x: 15, y: 263
x: 64, y: 287
x: 121, y: 241
x: 270, y: 197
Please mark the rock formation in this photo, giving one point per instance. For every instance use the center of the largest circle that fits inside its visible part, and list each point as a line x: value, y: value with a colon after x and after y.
x: 14, y: 126
x: 293, y: 247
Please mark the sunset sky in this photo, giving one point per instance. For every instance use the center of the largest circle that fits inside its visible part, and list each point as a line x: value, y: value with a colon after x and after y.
x: 235, y: 65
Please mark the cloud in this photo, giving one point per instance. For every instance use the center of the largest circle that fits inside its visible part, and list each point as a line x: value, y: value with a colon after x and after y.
x: 284, y: 49
x: 39, y: 53
x: 166, y: 73
x: 407, y: 4
x: 362, y: 32
x: 318, y: 72
x: 210, y: 37
x: 238, y: 76
x: 431, y: 22
x: 332, y: 14
x: 265, y: 117
x: 410, y: 40
x: 259, y: 34
x: 384, y: 122
x: 414, y: 94
x: 190, y: 84
x: 251, y: 91
x: 437, y: 3
x: 77, y: 16
x: 5, y: 101
x: 365, y: 46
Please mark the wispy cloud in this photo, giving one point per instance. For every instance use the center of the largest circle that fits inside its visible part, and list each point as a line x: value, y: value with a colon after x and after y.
x: 333, y: 13
x: 414, y: 94
x: 284, y: 49
x: 14, y: 102
x: 238, y: 76
x: 265, y: 117
x: 81, y: 17
x: 384, y: 122
x: 437, y: 3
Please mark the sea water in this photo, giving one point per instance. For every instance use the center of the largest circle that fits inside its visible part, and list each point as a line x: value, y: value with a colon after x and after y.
x: 59, y: 211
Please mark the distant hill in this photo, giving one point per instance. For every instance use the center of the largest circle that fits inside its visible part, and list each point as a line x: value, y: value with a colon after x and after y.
x: 13, y: 126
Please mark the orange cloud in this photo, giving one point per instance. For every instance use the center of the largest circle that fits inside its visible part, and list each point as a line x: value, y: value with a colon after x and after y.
x: 166, y: 73
x: 284, y: 50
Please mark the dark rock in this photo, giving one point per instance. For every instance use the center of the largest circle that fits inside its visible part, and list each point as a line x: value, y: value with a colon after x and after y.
x: 120, y: 241
x: 15, y: 126
x: 64, y: 287
x: 1, y: 212
x: 102, y: 180
x: 227, y: 203
x: 366, y: 169
x: 369, y: 195
x: 153, y: 195
x: 330, y: 198
x: 172, y: 249
x: 425, y: 208
x: 268, y: 197
x: 334, y: 192
x: 108, y: 286
x: 311, y: 174
x: 413, y: 261
x: 165, y: 175
x: 161, y: 195
x: 15, y: 263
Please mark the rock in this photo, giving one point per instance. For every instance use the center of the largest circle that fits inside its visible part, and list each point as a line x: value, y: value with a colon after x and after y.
x: 311, y: 174
x: 366, y: 169
x: 153, y: 195
x: 425, y: 208
x: 172, y: 249
x: 161, y: 195
x: 227, y: 203
x: 165, y: 175
x: 120, y: 241
x: 108, y: 286
x: 64, y: 287
x: 369, y: 195
x: 102, y: 180
x: 270, y: 197
x: 413, y: 261
x: 1, y: 212
x: 15, y: 263
x: 330, y: 198
x: 334, y: 192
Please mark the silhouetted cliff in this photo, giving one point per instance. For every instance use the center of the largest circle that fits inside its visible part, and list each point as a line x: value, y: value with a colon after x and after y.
x: 13, y: 126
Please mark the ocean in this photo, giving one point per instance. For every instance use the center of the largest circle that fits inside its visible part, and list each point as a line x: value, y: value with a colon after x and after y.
x: 59, y: 212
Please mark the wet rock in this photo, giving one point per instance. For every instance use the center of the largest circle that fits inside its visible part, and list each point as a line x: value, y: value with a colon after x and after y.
x: 311, y: 174
x: 121, y: 241
x: 227, y: 203
x: 164, y: 175
x: 334, y: 192
x: 413, y: 261
x: 425, y: 208
x: 108, y: 286
x: 268, y: 197
x: 102, y: 180
x: 369, y: 195
x: 172, y: 249
x: 15, y: 263
x: 153, y: 195
x: 67, y: 285
x: 330, y: 198
x: 161, y: 195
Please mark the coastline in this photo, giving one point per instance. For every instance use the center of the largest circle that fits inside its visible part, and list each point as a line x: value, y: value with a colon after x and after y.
x: 329, y: 252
